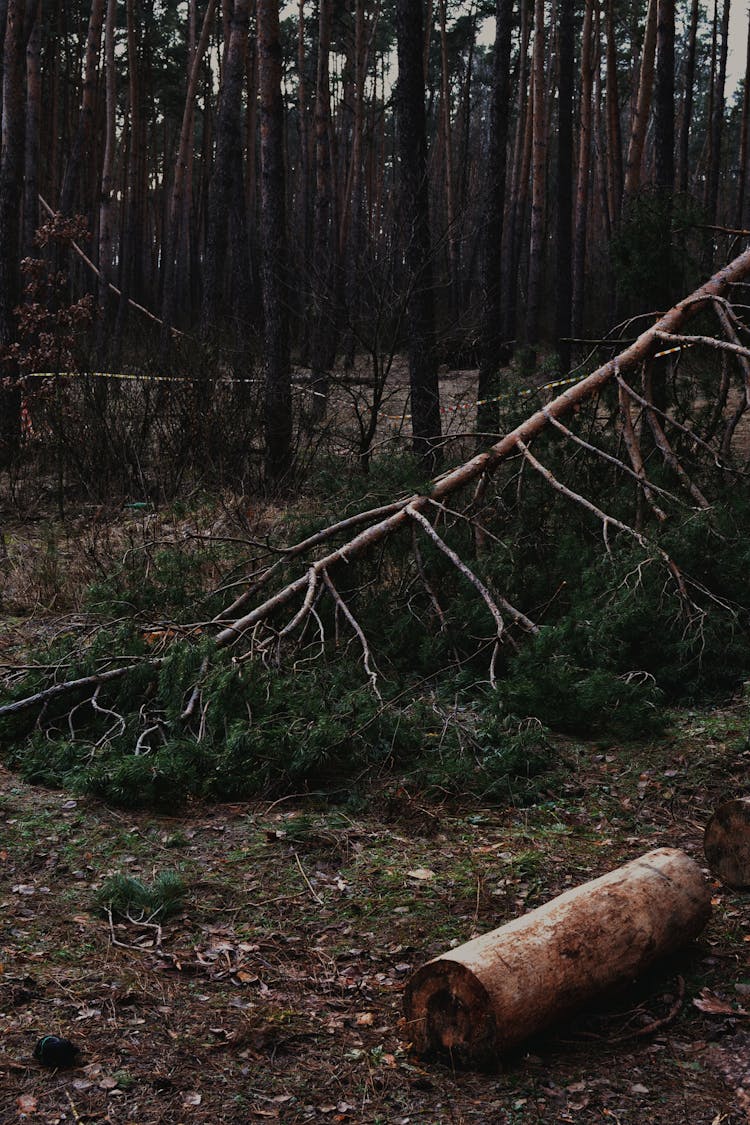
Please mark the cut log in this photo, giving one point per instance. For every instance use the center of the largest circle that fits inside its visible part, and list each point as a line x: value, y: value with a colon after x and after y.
x: 472, y: 1004
x: 726, y: 842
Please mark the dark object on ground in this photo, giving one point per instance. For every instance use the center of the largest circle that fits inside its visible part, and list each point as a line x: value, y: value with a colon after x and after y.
x: 726, y: 842
x: 55, y: 1052
x: 472, y: 1004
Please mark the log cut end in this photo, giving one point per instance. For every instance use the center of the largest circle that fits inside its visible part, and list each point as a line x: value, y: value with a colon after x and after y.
x: 450, y: 1016
x: 726, y: 842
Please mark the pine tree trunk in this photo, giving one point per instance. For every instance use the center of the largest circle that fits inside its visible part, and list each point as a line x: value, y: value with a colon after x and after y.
x: 564, y: 276
x: 584, y: 170
x: 323, y: 343
x: 278, y: 394
x: 614, y: 133
x: 643, y: 105
x: 223, y: 187
x: 538, y: 182
x: 83, y: 133
x: 477, y: 1002
x: 717, y: 119
x: 742, y: 190
x: 415, y: 223
x: 492, y: 351
x: 11, y: 196
x: 32, y: 129
x: 178, y: 207
x: 105, y: 205
x: 687, y: 105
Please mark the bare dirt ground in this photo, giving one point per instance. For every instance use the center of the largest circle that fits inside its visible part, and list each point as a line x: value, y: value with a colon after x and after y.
x: 275, y: 993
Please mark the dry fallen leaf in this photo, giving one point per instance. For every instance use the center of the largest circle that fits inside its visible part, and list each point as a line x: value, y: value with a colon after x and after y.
x: 192, y: 1098
x: 26, y: 1103
x: 713, y: 1005
x: 422, y: 873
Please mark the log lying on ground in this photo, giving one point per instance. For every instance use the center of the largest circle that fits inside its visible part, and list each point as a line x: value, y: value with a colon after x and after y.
x: 726, y: 842
x: 472, y: 1004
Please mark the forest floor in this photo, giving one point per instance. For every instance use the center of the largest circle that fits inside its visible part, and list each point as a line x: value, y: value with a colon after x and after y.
x: 275, y: 993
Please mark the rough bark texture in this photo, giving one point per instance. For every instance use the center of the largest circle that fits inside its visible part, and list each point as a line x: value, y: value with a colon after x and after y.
x: 726, y: 842
x: 278, y: 398
x: 222, y: 186
x: 475, y: 1002
x: 642, y: 106
x: 566, y: 84
x: 492, y: 261
x: 414, y: 203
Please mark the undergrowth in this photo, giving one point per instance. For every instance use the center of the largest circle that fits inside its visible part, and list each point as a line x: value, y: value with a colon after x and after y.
x: 619, y: 641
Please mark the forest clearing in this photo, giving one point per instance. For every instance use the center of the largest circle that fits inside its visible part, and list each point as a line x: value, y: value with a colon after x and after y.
x: 374, y: 615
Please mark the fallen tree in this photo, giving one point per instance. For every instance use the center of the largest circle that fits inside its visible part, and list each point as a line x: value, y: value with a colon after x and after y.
x: 473, y: 1004
x: 673, y: 459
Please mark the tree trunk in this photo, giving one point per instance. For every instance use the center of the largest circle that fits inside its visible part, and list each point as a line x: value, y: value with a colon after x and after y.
x: 742, y: 192
x: 323, y: 343
x: 614, y: 133
x: 664, y: 97
x: 584, y: 170
x: 454, y: 265
x: 474, y: 1003
x: 643, y: 105
x: 687, y: 104
x: 83, y: 133
x: 492, y: 354
x: 538, y: 182
x: 107, y: 185
x: 278, y: 394
x: 177, y: 207
x: 726, y: 842
x: 717, y: 120
x: 414, y: 203
x: 222, y: 187
x: 11, y: 196
x: 564, y: 276
x: 32, y: 127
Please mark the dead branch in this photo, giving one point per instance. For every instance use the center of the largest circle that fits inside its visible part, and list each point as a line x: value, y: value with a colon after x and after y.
x: 634, y: 453
x: 341, y: 604
x: 112, y: 288
x: 444, y: 485
x: 71, y: 686
x: 663, y: 445
x: 608, y: 521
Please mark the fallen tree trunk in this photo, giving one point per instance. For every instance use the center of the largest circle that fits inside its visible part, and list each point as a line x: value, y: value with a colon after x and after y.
x: 726, y: 842
x: 472, y: 1004
x: 483, y: 463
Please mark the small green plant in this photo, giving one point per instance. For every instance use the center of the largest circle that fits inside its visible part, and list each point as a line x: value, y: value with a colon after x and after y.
x: 126, y: 898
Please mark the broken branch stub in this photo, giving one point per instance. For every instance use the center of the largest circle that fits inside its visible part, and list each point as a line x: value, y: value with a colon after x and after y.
x: 726, y: 842
x: 474, y: 1003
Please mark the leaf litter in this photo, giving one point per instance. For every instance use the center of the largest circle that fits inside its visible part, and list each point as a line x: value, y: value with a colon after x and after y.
x: 264, y: 1001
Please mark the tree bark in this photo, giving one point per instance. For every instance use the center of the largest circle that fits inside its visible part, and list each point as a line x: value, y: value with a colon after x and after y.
x: 222, y: 187
x: 564, y: 275
x: 538, y: 182
x: 584, y: 170
x: 177, y: 216
x: 643, y: 105
x: 717, y: 120
x: 83, y: 133
x: 664, y: 97
x: 32, y: 127
x: 414, y: 204
x: 323, y: 342
x: 474, y: 1003
x: 726, y: 842
x: 106, y: 234
x: 687, y: 104
x: 278, y: 394
x: 492, y: 351
x: 11, y: 196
